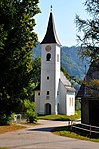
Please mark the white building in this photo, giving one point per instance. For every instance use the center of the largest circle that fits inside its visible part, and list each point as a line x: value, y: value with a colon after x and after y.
x: 54, y: 94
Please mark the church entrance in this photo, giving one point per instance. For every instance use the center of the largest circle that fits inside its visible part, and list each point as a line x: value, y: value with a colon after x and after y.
x: 47, y: 109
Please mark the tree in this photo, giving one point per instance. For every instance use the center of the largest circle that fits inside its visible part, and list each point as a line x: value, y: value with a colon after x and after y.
x: 90, y: 31
x: 65, y: 73
x: 17, y: 40
x: 89, y: 41
x: 36, y: 71
x: 29, y: 109
x: 35, y: 79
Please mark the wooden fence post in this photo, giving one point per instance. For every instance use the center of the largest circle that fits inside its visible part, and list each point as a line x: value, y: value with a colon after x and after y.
x: 71, y: 126
x: 90, y: 131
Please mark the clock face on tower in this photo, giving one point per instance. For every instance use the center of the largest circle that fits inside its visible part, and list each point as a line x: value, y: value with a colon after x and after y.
x: 48, y: 48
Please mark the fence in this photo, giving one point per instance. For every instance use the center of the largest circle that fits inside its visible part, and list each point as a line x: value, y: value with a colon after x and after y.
x: 19, y: 118
x: 85, y: 128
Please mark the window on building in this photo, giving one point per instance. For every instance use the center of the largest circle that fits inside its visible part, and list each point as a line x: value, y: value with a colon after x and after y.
x: 47, y: 93
x: 38, y: 93
x: 48, y: 57
x: 47, y: 97
x: 57, y: 92
x: 72, y: 102
x: 57, y: 57
x: 47, y: 77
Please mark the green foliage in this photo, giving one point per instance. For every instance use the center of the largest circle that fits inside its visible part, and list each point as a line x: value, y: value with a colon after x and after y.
x: 88, y: 38
x: 29, y: 108
x: 36, y: 71
x: 70, y: 60
x: 3, y: 148
x: 65, y: 73
x: 6, y: 119
x: 89, y: 29
x: 74, y: 81
x: 17, y: 40
x: 35, y: 79
x: 78, y: 105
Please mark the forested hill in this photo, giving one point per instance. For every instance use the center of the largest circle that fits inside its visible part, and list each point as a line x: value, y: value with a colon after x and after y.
x: 74, y: 65
x: 70, y: 60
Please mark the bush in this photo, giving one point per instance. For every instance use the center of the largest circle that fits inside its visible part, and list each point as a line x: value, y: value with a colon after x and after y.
x: 6, y: 119
x: 78, y: 105
x: 31, y: 116
x: 30, y: 112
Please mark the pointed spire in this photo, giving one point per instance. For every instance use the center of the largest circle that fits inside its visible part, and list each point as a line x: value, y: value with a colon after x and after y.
x: 50, y: 36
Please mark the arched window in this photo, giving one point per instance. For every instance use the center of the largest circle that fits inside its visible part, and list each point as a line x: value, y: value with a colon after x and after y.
x: 48, y: 57
x: 47, y: 77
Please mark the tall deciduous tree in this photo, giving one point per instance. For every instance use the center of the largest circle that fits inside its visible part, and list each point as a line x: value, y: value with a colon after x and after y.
x: 89, y: 40
x: 90, y: 31
x: 35, y: 79
x: 36, y: 71
x: 17, y: 38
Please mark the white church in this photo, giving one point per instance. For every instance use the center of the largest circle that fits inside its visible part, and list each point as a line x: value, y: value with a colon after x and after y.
x: 54, y: 95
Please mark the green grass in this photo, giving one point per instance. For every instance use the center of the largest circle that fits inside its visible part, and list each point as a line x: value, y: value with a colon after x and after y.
x: 3, y: 148
x: 61, y: 117
x: 65, y: 131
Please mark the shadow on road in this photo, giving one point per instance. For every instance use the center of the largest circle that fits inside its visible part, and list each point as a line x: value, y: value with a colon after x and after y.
x: 46, y: 129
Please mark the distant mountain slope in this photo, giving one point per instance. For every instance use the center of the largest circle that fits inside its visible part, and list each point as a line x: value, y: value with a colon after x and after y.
x: 70, y: 60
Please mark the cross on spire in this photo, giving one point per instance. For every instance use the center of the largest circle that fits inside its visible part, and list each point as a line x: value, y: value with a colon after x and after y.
x: 51, y: 8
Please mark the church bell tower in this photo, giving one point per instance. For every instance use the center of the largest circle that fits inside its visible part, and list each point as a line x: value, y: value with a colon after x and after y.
x: 50, y: 70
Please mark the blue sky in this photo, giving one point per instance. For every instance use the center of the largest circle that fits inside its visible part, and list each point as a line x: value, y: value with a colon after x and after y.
x: 64, y: 12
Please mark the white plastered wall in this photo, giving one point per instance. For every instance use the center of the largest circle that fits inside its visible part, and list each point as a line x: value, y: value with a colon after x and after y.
x: 70, y: 103
x: 51, y: 69
x: 37, y: 100
x: 62, y: 99
x: 66, y: 106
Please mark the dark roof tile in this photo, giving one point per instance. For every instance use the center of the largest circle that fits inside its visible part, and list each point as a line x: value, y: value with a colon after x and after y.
x: 51, y: 36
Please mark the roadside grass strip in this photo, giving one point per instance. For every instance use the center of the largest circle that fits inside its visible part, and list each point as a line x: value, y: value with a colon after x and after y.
x: 13, y: 127
x: 67, y: 132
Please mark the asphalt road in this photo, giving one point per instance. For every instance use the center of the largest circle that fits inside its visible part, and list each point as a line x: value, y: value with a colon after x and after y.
x: 40, y: 137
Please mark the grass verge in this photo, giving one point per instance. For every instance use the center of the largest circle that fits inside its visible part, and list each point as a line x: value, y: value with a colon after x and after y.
x: 3, y: 148
x: 13, y: 127
x: 66, y: 131
x: 61, y: 117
